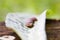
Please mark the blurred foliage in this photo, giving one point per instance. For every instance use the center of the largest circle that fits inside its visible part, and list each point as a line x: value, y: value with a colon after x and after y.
x: 34, y: 6
x: 54, y: 12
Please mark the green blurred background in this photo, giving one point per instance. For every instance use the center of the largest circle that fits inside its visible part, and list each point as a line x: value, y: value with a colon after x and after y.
x: 34, y: 6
